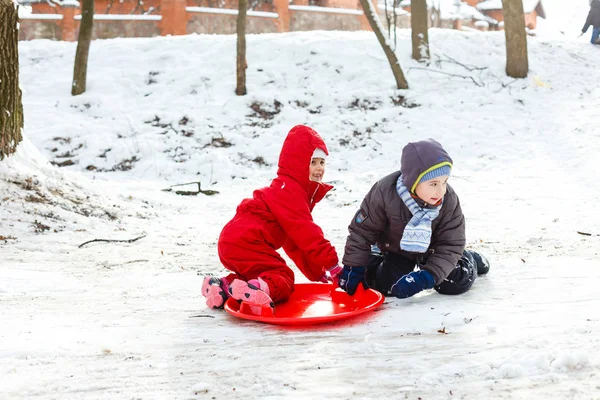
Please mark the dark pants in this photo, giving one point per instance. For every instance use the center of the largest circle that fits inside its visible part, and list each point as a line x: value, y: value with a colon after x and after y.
x: 595, y: 35
x: 385, y: 270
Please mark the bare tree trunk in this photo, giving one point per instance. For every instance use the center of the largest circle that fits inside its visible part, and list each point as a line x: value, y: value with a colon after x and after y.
x: 517, y: 64
x: 83, y: 48
x: 419, y: 22
x: 375, y: 24
x: 241, y: 64
x: 11, y: 105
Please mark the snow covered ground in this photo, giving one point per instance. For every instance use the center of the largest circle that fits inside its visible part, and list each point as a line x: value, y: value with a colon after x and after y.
x: 563, y: 19
x: 126, y: 320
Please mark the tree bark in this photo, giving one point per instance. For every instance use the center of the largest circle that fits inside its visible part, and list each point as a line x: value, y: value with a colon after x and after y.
x: 11, y: 104
x: 517, y: 63
x: 241, y: 64
x: 375, y: 24
x: 419, y: 27
x: 83, y: 48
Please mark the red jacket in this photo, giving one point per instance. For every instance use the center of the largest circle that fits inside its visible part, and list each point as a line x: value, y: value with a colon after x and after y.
x: 284, y: 208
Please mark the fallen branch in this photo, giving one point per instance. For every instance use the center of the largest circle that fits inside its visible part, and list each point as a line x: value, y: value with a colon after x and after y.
x: 135, y: 261
x: 446, y: 73
x: 202, y: 316
x: 506, y: 85
x: 465, y: 66
x: 112, y: 240
x: 190, y: 192
x: 585, y: 233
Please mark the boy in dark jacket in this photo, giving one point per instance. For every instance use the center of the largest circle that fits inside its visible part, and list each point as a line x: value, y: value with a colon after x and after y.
x: 410, y: 218
x: 593, y: 19
x: 277, y: 216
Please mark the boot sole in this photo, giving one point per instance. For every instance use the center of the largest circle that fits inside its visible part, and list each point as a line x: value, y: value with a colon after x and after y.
x: 242, y: 291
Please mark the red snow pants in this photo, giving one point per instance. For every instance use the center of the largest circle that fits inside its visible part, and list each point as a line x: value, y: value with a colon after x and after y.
x: 247, y: 247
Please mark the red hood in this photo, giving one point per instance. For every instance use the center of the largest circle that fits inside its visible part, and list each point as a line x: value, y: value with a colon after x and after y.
x: 296, y: 154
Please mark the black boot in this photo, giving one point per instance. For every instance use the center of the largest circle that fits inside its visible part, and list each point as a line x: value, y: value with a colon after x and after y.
x: 483, y: 265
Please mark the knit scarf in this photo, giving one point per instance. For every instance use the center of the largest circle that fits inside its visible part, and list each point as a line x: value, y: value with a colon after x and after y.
x: 417, y: 233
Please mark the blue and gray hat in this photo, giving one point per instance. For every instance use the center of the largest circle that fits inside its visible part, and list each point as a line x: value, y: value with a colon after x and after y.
x: 422, y: 161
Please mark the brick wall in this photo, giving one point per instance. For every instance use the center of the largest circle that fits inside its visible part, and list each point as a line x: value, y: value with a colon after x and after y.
x: 311, y: 21
x: 129, y: 18
x: 40, y: 30
x: 226, y: 24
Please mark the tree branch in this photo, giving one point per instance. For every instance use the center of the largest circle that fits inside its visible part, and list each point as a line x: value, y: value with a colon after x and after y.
x: 586, y: 233
x: 446, y: 73
x: 112, y: 240
x: 467, y: 67
x: 190, y: 192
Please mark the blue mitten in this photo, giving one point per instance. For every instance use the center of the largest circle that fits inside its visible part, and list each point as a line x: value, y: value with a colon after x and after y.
x: 351, y: 277
x: 413, y: 283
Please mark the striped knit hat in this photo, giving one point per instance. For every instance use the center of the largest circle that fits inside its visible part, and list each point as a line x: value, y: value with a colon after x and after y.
x: 435, y: 173
x: 423, y: 161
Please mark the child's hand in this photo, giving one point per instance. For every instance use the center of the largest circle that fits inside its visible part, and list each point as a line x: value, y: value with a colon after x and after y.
x: 350, y: 277
x: 331, y: 274
x: 411, y: 284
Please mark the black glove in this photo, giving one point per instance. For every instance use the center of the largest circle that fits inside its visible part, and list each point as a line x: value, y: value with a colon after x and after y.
x: 351, y: 277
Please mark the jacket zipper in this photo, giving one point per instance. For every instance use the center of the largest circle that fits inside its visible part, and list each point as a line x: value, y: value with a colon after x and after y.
x: 312, y: 199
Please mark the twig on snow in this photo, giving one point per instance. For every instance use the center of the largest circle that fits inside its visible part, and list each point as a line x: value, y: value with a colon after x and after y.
x: 190, y: 192
x: 202, y: 316
x: 506, y: 85
x: 112, y: 240
x: 446, y: 73
x: 586, y: 233
x: 465, y: 66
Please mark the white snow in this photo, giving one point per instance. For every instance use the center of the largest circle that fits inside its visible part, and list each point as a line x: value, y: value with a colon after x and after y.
x: 563, y: 22
x: 30, y: 15
x: 528, y: 5
x: 126, y: 320
x: 231, y: 11
x: 67, y: 3
x: 122, y: 17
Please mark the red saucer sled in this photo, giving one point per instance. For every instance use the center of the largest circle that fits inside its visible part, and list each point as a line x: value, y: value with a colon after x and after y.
x: 310, y: 303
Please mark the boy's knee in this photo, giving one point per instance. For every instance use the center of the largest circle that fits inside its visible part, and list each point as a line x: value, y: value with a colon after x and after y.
x: 461, y: 278
x: 384, y: 272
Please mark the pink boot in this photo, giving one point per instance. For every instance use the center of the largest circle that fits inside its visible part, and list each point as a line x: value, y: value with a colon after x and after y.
x: 254, y: 292
x: 215, y: 290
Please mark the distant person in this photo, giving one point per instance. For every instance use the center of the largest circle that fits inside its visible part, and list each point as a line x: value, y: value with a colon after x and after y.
x: 277, y: 216
x: 411, y: 218
x: 593, y: 19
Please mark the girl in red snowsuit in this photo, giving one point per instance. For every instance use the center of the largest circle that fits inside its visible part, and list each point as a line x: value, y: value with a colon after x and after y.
x: 277, y: 216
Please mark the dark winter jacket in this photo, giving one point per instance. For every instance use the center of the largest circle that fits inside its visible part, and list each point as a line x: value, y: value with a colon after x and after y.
x: 593, y: 17
x: 383, y: 216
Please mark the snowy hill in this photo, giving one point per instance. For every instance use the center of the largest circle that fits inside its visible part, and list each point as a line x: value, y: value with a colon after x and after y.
x: 126, y: 320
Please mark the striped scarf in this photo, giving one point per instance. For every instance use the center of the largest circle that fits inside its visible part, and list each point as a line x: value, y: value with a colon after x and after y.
x: 417, y: 233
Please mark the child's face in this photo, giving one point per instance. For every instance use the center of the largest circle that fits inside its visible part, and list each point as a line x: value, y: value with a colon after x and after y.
x: 432, y: 191
x: 317, y: 169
